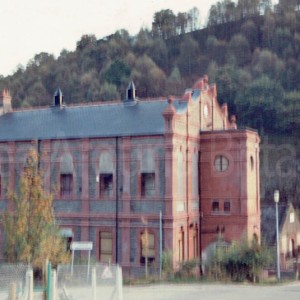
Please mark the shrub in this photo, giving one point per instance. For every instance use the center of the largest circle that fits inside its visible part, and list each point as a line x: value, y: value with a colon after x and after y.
x: 245, y: 261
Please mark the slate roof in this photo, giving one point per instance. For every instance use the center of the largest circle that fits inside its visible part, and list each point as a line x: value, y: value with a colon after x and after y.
x: 268, y: 221
x: 103, y: 120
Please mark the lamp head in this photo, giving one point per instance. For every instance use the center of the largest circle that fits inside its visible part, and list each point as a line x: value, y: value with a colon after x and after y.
x: 276, y: 196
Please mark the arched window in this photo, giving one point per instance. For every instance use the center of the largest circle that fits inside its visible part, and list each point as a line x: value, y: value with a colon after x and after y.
x: 66, y: 175
x: 106, y: 174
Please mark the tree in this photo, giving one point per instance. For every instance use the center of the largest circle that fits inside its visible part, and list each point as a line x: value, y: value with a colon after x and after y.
x: 265, y: 6
x: 289, y: 113
x: 239, y: 50
x: 193, y: 19
x: 267, y: 63
x: 250, y: 30
x: 248, y: 8
x: 181, y: 23
x: 108, y: 92
x: 187, y: 62
x: 164, y: 24
x: 117, y: 72
x: 222, y: 12
x: 216, y: 49
x: 31, y: 232
x: 148, y: 77
x: 258, y: 104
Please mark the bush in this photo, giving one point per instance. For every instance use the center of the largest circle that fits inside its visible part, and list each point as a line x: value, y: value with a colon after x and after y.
x: 187, y: 269
x: 167, y: 264
x: 241, y: 261
x: 245, y: 261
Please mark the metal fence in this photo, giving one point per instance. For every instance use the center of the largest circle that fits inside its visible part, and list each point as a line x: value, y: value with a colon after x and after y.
x: 100, y: 281
x: 16, y: 281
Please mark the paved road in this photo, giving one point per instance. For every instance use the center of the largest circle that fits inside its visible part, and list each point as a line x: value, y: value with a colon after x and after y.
x: 212, y: 292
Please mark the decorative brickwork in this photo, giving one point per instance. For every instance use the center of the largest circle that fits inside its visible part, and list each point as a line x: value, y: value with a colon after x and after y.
x: 130, y: 161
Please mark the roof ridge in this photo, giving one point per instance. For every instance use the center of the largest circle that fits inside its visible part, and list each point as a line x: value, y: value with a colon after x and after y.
x: 87, y: 104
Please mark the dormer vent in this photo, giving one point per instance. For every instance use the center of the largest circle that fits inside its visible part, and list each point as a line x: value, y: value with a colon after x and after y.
x: 58, y: 98
x: 131, y: 91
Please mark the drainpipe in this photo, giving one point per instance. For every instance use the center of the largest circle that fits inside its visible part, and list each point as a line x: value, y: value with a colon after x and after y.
x: 200, y: 211
x: 187, y: 181
x: 117, y: 198
x: 39, y: 153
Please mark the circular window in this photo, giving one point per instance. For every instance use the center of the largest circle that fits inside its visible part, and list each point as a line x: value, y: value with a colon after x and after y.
x: 221, y: 163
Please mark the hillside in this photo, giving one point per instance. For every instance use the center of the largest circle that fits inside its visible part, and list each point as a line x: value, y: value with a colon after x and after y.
x: 252, y: 54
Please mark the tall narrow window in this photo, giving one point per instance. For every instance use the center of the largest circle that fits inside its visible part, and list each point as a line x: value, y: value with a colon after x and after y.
x: 106, y: 174
x: 66, y: 184
x: 181, y: 246
x: 147, y: 247
x: 106, y: 184
x: 66, y: 175
x: 195, y: 178
x: 105, y: 246
x: 147, y: 173
x: 196, y: 241
x: 180, y: 176
x: 147, y: 184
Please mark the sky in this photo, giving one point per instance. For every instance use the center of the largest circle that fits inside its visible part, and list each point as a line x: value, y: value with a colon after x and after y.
x: 29, y: 27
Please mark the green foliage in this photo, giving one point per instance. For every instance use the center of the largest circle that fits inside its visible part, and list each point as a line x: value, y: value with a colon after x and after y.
x: 187, y: 269
x: 163, y: 25
x: 244, y: 261
x: 108, y: 92
x: 149, y: 78
x: 253, y: 58
x: 117, y: 72
x: 258, y: 104
x: 30, y: 230
x: 167, y: 264
x: 241, y: 261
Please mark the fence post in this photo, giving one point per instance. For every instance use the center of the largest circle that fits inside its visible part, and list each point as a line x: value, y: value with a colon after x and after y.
x: 49, y: 283
x: 12, y: 291
x: 119, y: 283
x: 54, y: 285
x: 29, y: 283
x: 94, y: 283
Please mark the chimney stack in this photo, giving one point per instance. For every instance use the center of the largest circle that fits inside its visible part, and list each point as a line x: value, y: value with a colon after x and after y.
x: 5, y: 102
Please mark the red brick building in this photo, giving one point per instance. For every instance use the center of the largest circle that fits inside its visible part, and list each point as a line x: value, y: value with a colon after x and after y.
x: 115, y: 166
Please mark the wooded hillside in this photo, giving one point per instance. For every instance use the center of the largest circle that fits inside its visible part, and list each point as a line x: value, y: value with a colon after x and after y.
x: 250, y: 49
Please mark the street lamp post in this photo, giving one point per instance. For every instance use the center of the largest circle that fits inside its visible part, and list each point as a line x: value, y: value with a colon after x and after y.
x: 276, y: 200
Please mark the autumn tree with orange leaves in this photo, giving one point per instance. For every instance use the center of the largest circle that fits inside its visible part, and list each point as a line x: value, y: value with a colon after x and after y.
x: 31, y: 232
